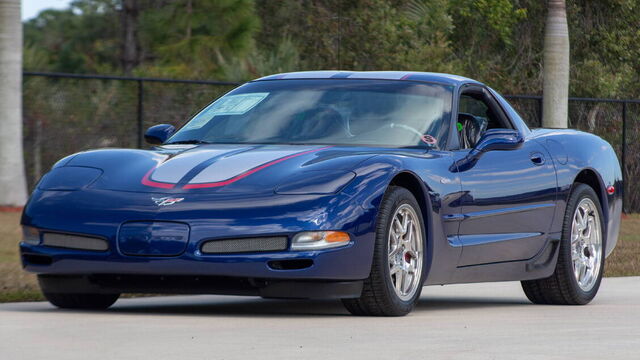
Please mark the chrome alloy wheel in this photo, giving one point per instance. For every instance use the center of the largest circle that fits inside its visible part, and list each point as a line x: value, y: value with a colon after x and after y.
x: 586, y: 244
x: 405, y: 252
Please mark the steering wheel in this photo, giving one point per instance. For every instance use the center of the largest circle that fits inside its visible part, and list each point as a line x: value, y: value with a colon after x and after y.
x: 324, y: 112
x: 427, y: 139
x: 407, y: 128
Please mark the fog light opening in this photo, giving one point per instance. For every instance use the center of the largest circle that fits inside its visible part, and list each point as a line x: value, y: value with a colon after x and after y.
x: 35, y: 259
x: 296, y: 264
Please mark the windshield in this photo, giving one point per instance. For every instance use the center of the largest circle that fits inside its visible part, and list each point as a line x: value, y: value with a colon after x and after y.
x: 325, y: 111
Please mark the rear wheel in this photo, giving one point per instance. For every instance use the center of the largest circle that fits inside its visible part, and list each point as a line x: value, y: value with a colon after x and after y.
x: 395, y: 282
x: 578, y: 272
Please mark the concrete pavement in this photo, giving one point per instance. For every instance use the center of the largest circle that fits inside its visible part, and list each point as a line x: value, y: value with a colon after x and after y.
x: 477, y: 321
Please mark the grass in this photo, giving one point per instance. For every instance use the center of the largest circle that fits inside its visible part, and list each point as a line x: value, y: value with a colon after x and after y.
x: 15, y: 284
x: 625, y: 259
x: 18, y: 285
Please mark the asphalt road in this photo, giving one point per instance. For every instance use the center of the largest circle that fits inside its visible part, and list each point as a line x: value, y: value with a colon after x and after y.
x: 479, y: 321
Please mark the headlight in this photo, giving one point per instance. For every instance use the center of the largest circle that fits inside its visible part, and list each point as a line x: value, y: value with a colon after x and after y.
x: 30, y: 235
x: 69, y: 178
x: 315, y: 240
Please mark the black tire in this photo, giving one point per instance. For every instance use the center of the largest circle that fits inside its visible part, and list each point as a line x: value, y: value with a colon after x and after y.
x: 378, y: 296
x: 75, y: 292
x: 82, y: 301
x: 562, y: 288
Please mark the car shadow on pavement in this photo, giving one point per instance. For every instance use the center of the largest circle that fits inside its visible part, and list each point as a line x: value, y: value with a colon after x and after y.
x: 427, y: 303
x: 237, y: 307
x: 275, y: 307
x: 257, y: 307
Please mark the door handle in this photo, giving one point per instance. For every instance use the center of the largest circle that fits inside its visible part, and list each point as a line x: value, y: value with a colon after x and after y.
x: 537, y: 158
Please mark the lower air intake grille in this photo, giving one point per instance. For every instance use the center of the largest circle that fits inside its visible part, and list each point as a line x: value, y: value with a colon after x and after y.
x: 259, y: 244
x: 74, y: 242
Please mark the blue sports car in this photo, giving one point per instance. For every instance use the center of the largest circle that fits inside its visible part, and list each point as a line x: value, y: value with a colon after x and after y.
x: 360, y: 186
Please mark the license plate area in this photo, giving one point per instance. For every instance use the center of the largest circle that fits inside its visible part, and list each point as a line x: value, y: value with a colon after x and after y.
x: 153, y: 238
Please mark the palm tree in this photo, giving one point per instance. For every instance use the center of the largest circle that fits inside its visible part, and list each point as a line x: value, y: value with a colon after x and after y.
x: 555, y: 89
x: 12, y: 178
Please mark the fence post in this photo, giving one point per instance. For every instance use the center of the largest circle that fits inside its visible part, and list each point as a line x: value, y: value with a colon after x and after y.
x: 624, y: 154
x: 540, y: 102
x: 140, y: 118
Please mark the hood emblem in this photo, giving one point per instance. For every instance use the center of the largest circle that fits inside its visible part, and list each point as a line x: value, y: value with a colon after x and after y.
x: 166, y: 201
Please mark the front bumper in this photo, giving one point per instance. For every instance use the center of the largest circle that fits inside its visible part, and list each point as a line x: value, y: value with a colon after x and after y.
x: 346, y: 263
x: 101, y: 213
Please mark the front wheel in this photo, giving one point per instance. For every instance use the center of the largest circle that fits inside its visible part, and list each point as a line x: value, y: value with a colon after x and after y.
x: 395, y: 282
x: 81, y: 301
x: 74, y: 297
x: 578, y: 272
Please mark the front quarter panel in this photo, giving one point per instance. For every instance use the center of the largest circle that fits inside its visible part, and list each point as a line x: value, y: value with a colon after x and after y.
x: 575, y: 152
x: 440, y: 202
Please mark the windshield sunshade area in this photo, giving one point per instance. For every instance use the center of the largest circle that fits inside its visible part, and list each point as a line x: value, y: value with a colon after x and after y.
x: 326, y: 111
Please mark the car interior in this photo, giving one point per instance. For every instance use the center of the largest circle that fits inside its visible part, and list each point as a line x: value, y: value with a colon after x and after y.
x: 341, y: 116
x: 477, y: 113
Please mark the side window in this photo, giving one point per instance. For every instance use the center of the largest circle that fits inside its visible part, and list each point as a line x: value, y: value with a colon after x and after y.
x: 472, y: 106
x: 475, y: 116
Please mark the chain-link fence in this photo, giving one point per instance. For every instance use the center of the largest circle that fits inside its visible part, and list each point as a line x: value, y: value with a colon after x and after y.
x: 67, y: 113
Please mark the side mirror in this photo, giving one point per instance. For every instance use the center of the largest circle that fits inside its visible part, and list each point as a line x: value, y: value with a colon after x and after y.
x: 491, y: 140
x: 158, y: 134
x: 499, y: 139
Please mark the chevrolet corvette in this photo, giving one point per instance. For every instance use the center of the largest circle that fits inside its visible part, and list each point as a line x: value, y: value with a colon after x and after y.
x: 359, y: 186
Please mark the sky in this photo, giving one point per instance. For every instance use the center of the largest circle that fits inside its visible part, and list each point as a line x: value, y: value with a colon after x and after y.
x: 31, y: 8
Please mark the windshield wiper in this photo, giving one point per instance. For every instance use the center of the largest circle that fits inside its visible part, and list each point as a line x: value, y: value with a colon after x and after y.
x: 197, y: 142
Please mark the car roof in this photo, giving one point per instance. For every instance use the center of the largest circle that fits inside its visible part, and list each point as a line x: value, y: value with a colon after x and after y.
x: 446, y: 79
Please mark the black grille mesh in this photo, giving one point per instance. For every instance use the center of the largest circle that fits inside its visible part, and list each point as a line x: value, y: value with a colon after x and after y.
x: 259, y: 244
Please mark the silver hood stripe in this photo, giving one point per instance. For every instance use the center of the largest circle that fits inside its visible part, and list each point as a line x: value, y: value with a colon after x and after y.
x: 174, y: 169
x: 233, y: 165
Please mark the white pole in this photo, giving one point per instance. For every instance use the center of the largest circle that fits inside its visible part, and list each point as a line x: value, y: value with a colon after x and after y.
x: 555, y: 89
x: 13, y: 190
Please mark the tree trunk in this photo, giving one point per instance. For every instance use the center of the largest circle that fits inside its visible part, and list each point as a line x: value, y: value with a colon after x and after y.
x: 556, y: 67
x: 130, y: 43
x: 12, y: 177
x: 189, y: 14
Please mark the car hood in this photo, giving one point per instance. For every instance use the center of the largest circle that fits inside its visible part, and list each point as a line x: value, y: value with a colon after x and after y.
x: 287, y: 169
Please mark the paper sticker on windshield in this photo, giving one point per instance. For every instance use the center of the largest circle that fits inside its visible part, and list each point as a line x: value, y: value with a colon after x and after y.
x: 428, y: 139
x: 227, y: 105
